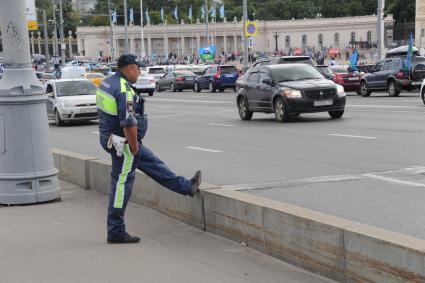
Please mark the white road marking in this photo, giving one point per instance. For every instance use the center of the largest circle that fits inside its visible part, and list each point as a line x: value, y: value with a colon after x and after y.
x: 393, y: 180
x: 96, y: 133
x: 203, y: 149
x: 384, y: 106
x: 166, y: 116
x: 192, y: 101
x: 162, y: 106
x: 222, y: 125
x: 351, y: 136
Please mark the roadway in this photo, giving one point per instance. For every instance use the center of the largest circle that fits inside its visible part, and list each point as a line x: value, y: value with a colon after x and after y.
x: 367, y: 166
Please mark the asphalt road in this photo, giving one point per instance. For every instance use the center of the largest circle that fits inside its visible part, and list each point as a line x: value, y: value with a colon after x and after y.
x: 367, y: 166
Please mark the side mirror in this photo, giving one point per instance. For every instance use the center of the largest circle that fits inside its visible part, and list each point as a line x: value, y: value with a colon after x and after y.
x: 267, y: 82
x: 50, y: 95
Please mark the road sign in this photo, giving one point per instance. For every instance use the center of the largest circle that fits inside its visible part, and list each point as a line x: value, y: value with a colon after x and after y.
x: 251, y: 28
x: 250, y: 42
x: 31, y: 15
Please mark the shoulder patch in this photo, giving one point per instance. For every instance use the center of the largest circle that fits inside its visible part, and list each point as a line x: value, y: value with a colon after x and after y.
x: 105, y: 84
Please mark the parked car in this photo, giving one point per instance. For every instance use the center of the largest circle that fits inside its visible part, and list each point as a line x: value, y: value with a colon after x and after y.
x: 44, y: 77
x: 176, y: 81
x: 285, y: 60
x: 390, y: 74
x: 70, y: 72
x: 423, y: 91
x: 145, y: 84
x: 71, y: 100
x: 346, y: 77
x: 95, y: 78
x: 289, y: 90
x: 218, y: 77
x: 156, y: 71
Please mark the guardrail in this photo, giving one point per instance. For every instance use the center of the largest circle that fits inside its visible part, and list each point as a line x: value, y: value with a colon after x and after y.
x: 337, y: 248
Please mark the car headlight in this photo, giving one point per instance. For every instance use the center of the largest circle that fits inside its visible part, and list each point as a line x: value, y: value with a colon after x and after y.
x: 66, y: 104
x: 340, y: 90
x: 290, y: 93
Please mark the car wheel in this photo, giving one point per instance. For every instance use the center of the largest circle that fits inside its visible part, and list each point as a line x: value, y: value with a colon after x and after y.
x: 58, y: 120
x: 423, y: 95
x: 243, y: 110
x: 280, y: 110
x: 150, y: 93
x: 336, y: 114
x: 235, y: 89
x: 221, y: 89
x: 158, y: 88
x: 172, y: 87
x: 196, y: 87
x: 393, y: 89
x: 211, y: 87
x: 364, y: 89
x: 180, y: 90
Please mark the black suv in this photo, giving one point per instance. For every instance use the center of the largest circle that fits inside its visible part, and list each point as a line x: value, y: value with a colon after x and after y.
x: 288, y: 90
x: 390, y: 75
x: 285, y: 60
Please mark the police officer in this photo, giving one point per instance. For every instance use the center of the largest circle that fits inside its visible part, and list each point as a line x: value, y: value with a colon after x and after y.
x: 122, y: 125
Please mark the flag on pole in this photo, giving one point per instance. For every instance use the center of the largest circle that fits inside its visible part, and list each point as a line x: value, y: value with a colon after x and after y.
x: 203, y: 11
x: 162, y: 14
x: 408, y: 64
x: 190, y: 12
x: 222, y: 11
x: 131, y: 17
x: 354, y: 59
x: 213, y: 12
x: 148, y: 19
x: 175, y: 14
x: 114, y: 17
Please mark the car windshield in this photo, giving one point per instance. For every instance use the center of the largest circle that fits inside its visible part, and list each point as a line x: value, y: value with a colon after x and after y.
x: 156, y: 71
x: 72, y: 88
x: 228, y: 69
x: 184, y: 74
x: 325, y: 70
x: 95, y: 76
x: 339, y: 70
x: 296, y: 73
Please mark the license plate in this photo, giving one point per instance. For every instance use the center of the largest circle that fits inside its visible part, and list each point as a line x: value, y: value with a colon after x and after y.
x: 416, y: 83
x: 353, y: 79
x: 229, y: 76
x: 88, y: 110
x: 323, y: 102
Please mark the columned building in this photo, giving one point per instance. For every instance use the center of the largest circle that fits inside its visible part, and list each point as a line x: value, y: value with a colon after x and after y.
x: 420, y: 23
x: 184, y: 39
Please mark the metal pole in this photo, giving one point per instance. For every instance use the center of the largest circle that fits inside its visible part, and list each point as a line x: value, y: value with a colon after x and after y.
x: 63, y: 47
x: 380, y: 27
x: 112, y: 31
x: 245, y: 43
x: 207, y: 34
x: 125, y: 27
x: 46, y: 45
x: 141, y: 27
x: 54, y: 27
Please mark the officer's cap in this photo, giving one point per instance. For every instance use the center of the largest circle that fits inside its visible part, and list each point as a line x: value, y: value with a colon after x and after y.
x: 128, y: 59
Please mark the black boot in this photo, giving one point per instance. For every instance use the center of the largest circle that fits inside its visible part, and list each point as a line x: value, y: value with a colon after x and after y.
x: 196, y: 182
x: 123, y: 239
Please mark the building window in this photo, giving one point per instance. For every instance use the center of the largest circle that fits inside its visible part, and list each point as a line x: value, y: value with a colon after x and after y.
x: 320, y: 40
x: 287, y: 41
x: 423, y: 32
x: 353, y: 37
x: 304, y: 40
x: 369, y: 36
x: 336, y: 39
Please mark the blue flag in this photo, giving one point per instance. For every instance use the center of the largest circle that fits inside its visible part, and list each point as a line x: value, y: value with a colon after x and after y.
x: 353, y: 60
x: 162, y: 14
x: 148, y: 19
x: 408, y: 64
x: 222, y: 11
x: 114, y: 17
x: 213, y: 12
x: 176, y: 14
x: 190, y: 12
x: 202, y: 12
x: 131, y: 17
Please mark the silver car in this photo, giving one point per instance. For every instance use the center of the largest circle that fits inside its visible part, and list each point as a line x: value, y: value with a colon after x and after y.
x: 71, y: 100
x: 145, y: 84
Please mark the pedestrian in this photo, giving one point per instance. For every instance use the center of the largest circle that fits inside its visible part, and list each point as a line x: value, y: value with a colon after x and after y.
x: 122, y: 126
x: 332, y: 62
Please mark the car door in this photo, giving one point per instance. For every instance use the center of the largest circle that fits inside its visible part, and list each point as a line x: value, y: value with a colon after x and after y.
x: 163, y: 82
x: 384, y: 73
x: 372, y: 77
x: 205, y: 78
x: 50, y: 99
x: 264, y: 91
x: 251, y: 90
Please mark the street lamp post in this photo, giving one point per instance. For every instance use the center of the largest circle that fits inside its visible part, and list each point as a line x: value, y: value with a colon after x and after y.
x: 207, y: 34
x: 380, y: 27
x: 125, y: 27
x: 245, y: 43
x: 142, y: 41
x: 112, y: 31
x: 276, y: 36
x: 63, y: 47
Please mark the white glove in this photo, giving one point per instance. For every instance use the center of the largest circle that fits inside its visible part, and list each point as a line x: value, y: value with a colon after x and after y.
x: 117, y: 142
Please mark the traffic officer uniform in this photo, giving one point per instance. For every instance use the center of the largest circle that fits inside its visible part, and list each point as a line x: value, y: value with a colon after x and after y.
x: 120, y: 107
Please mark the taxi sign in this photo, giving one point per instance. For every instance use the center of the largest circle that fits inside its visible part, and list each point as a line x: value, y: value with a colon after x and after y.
x: 251, y: 28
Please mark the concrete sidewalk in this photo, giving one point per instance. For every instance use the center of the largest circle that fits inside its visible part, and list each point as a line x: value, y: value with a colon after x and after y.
x: 66, y: 242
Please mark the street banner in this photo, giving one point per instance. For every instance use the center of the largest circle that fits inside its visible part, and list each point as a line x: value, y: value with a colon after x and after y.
x: 408, y: 63
x: 251, y: 28
x: 207, y: 53
x: 31, y: 15
x: 354, y: 58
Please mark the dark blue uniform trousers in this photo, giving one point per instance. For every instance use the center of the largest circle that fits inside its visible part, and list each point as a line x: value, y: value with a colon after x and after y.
x: 119, y: 195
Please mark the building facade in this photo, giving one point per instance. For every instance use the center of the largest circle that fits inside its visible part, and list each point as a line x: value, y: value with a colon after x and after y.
x: 420, y: 24
x: 185, y: 39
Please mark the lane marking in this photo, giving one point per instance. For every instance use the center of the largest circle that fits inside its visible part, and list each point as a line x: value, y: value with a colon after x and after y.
x: 222, y: 125
x: 203, y: 149
x: 393, y: 180
x: 96, y: 133
x: 351, y: 136
x: 166, y: 116
x: 192, y: 101
x: 384, y: 106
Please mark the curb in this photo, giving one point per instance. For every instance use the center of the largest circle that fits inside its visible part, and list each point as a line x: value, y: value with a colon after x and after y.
x: 337, y: 248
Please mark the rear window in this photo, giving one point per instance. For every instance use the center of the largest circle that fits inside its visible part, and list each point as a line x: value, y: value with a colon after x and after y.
x: 228, y: 69
x: 339, y: 70
x: 156, y: 71
x: 184, y: 74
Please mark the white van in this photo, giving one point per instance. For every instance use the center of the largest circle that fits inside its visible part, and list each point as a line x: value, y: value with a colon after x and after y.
x: 71, y: 72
